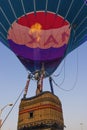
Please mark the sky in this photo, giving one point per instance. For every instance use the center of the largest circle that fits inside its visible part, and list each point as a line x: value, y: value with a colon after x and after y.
x: 13, y: 78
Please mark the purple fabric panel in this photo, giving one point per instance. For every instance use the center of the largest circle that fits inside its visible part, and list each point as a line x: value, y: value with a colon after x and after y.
x: 37, y: 53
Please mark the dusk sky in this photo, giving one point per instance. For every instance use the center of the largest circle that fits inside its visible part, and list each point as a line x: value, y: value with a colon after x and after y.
x: 13, y: 78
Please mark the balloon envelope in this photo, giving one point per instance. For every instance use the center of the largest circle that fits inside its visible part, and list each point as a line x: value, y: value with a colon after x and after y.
x: 43, y: 31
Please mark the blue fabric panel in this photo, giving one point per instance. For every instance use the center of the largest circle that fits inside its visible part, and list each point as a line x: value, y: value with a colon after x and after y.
x: 52, y: 5
x: 64, y: 6
x: 28, y: 5
x: 40, y: 5
x: 74, y: 9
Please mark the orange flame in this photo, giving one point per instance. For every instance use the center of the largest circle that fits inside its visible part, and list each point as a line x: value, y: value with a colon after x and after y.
x: 36, y: 30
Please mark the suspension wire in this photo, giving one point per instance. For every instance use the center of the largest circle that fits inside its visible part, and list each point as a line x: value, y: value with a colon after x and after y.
x: 12, y: 8
x: 60, y: 73
x: 3, y: 35
x: 78, y: 13
x: 80, y: 33
x: 27, y: 86
x: 63, y: 76
x: 69, y: 9
x: 79, y: 27
x: 12, y: 107
x: 58, y: 7
x: 46, y: 5
x: 81, y: 23
x: 34, y: 7
x: 3, y: 27
x: 56, y: 75
x: 5, y: 16
x: 22, y: 3
x: 74, y: 85
x: 80, y: 39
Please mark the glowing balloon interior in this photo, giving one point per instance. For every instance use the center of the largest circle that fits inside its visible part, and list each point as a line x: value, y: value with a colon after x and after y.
x: 43, y: 31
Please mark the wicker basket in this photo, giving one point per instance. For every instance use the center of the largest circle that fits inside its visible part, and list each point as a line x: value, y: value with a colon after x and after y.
x: 42, y: 112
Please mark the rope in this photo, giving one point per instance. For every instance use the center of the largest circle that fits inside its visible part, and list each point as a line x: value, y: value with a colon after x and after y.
x: 56, y: 75
x: 74, y: 81
x: 69, y: 9
x: 58, y: 7
x: 7, y: 20
x: 12, y: 108
x: 63, y: 66
x: 22, y: 3
x: 3, y: 36
x: 64, y: 75
x: 78, y: 13
x: 79, y: 40
x: 5, y: 16
x: 60, y: 73
x: 3, y: 27
x: 27, y: 86
x: 34, y: 7
x: 80, y: 33
x: 46, y: 5
x: 12, y: 8
x: 81, y: 23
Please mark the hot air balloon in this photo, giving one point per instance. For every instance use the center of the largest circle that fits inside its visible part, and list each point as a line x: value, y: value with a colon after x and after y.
x: 42, y: 32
